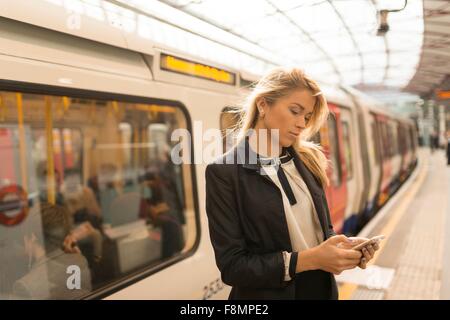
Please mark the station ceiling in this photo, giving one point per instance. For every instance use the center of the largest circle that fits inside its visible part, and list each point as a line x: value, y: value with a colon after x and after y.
x: 336, y: 40
x: 433, y: 71
x: 382, y: 46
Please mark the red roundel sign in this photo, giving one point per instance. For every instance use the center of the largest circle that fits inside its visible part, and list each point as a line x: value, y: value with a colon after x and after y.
x: 20, y: 203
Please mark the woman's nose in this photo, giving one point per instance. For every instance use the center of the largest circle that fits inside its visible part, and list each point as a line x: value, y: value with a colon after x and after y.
x: 301, y: 123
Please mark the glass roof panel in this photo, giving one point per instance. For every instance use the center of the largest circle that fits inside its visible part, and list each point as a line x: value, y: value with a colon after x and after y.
x: 336, y: 38
x: 314, y: 19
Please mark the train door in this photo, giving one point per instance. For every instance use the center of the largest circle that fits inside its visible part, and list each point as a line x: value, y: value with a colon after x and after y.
x: 331, y: 139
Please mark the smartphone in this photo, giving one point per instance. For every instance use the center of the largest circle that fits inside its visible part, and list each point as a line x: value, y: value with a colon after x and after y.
x: 369, y: 241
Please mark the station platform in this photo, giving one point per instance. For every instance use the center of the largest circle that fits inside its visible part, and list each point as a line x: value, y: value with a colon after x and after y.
x: 413, y: 260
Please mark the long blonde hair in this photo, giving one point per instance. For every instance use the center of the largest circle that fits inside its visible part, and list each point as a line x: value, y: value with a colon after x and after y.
x: 279, y: 83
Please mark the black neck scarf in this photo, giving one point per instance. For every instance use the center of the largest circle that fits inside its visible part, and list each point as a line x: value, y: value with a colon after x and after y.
x: 286, y: 157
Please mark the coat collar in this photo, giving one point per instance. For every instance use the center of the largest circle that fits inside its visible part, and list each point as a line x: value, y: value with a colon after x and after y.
x: 249, y: 160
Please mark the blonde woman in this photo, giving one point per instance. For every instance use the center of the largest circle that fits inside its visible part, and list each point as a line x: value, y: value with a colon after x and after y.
x: 268, y: 216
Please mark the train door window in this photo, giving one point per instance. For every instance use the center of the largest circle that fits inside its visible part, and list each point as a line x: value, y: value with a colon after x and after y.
x: 334, y: 151
x: 89, y: 183
x: 347, y: 149
x: 229, y: 119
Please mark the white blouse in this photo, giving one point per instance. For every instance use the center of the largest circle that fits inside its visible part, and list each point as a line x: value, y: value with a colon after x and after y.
x: 303, y: 223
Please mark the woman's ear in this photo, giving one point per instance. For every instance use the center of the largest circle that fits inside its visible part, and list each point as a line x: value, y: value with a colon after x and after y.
x: 261, y: 105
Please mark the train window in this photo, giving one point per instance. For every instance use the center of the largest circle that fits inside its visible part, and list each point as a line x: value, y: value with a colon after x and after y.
x: 388, y: 142
x: 88, y: 194
x: 316, y: 138
x: 386, y: 149
x: 229, y: 119
x: 334, y: 151
x: 388, y: 138
x: 347, y: 149
x: 126, y: 133
x: 375, y: 138
x: 395, y: 145
x: 392, y: 133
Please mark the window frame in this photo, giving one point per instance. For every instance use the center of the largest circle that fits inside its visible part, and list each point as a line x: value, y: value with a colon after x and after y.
x: 44, y: 89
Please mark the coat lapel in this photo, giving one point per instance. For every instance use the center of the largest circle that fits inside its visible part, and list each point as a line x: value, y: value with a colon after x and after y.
x: 248, y: 158
x: 317, y: 193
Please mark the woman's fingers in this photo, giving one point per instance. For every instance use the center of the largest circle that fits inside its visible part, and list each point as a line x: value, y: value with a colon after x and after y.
x: 352, y: 254
x: 363, y: 263
x: 371, y: 250
x: 367, y: 254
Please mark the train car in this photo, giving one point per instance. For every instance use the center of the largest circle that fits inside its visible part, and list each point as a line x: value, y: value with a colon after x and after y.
x: 94, y: 125
x: 351, y: 145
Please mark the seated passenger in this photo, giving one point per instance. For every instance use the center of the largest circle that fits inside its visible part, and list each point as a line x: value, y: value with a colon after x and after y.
x: 85, y: 211
x: 47, y: 277
x: 43, y: 193
x: 157, y: 211
x: 80, y: 199
x: 170, y: 189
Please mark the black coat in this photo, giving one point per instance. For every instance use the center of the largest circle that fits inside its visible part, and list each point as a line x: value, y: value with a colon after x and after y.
x: 249, y: 232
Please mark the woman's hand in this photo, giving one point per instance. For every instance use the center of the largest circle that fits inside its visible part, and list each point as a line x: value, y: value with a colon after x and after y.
x: 368, y: 251
x: 330, y: 256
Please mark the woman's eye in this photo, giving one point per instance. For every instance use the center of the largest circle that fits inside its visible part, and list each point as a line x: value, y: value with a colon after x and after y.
x: 294, y: 112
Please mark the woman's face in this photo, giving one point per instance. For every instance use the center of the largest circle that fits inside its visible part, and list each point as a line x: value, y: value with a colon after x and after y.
x: 290, y: 115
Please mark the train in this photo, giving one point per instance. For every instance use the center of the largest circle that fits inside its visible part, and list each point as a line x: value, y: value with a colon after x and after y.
x: 86, y: 129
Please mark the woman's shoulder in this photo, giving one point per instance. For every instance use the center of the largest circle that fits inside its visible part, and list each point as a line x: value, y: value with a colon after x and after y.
x: 223, y: 165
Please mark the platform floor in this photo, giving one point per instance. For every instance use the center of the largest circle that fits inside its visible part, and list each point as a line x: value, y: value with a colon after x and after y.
x: 414, y: 260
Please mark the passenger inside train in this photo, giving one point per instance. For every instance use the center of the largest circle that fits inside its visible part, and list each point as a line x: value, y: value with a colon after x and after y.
x: 49, y: 257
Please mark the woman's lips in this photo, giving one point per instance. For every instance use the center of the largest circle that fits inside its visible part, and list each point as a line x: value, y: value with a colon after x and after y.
x: 294, y: 135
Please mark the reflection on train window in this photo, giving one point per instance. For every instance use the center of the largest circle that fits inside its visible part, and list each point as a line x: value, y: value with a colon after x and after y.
x: 229, y: 119
x: 90, y: 184
x: 347, y: 149
x: 334, y: 151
